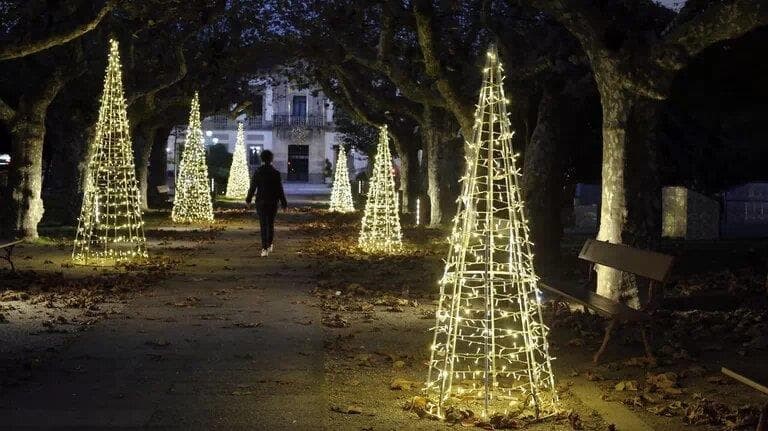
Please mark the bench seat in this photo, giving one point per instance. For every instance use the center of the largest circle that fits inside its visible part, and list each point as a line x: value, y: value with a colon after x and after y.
x: 604, y: 306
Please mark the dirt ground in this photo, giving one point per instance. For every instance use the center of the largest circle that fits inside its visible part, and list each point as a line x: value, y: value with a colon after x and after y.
x: 320, y: 336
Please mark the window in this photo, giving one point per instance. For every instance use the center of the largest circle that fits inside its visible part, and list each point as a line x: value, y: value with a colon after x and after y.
x: 299, y: 107
x: 258, y: 105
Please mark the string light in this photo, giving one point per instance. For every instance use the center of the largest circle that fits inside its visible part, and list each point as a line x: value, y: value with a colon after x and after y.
x: 380, y: 231
x: 418, y: 211
x: 489, y: 338
x: 238, y: 181
x: 341, y: 195
x: 192, y: 201
x: 110, y: 228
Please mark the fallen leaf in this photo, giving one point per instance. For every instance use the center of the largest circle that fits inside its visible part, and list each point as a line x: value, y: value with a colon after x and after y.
x: 402, y: 385
x: 626, y: 385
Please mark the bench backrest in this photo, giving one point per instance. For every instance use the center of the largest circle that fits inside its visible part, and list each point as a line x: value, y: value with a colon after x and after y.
x: 643, y: 263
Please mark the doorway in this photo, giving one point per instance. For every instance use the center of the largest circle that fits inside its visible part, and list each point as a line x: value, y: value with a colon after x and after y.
x: 298, y: 163
x: 254, y: 156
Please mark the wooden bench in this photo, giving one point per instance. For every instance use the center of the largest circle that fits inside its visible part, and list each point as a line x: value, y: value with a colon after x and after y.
x: 7, y: 247
x: 655, y: 267
x: 163, y: 191
x: 751, y: 381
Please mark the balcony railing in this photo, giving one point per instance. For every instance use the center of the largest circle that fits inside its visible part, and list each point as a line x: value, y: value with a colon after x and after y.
x: 222, y: 122
x: 256, y: 122
x: 289, y: 120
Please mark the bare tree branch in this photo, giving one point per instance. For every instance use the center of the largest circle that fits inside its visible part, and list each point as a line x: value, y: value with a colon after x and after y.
x: 60, y: 38
x: 719, y: 22
x: 362, y: 82
x: 164, y: 82
x: 581, y: 19
x: 239, y: 108
x: 353, y: 103
x: 6, y: 112
x: 422, y: 11
x: 384, y: 61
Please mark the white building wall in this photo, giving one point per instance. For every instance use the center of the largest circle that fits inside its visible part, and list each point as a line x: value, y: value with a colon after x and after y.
x: 277, y: 130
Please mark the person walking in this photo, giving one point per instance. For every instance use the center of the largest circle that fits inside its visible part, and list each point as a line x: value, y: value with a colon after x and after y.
x: 268, y: 187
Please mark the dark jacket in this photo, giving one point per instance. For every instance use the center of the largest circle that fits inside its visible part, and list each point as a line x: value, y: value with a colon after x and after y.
x: 267, y: 185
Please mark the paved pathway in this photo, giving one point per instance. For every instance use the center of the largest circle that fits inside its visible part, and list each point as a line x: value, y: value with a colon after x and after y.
x: 226, y: 344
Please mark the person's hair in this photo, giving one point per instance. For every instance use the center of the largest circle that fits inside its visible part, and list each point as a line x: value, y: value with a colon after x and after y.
x: 267, y: 156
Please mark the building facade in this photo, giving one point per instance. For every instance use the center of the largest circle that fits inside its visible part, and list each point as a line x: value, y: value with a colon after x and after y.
x: 295, y: 124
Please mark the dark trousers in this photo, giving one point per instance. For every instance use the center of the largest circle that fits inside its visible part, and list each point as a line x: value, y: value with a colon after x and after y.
x: 267, y: 212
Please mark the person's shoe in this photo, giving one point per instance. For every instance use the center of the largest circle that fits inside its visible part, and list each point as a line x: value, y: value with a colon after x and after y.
x: 264, y: 252
x: 271, y: 247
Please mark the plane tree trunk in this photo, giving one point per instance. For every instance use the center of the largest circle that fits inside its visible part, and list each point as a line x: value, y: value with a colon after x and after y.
x: 542, y: 180
x: 25, y: 175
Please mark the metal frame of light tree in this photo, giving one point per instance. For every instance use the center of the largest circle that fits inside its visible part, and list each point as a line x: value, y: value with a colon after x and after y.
x: 239, y: 180
x: 489, y: 338
x: 380, y: 230
x: 341, y: 195
x: 192, y: 200
x: 110, y: 228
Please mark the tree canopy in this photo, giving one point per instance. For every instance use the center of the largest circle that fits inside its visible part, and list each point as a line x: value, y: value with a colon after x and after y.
x: 629, y: 93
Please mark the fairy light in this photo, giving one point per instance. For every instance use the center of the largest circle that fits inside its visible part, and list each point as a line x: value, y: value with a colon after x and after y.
x: 192, y: 201
x: 110, y: 227
x: 418, y: 211
x: 489, y: 338
x: 380, y: 231
x: 341, y: 195
x: 238, y: 181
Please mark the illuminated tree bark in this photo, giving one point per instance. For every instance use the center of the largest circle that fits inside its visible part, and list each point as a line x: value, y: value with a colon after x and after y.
x: 407, y: 150
x: 25, y: 176
x: 429, y: 137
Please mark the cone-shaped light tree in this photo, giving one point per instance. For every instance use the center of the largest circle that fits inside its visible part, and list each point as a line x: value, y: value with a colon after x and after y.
x: 238, y: 181
x: 380, y: 231
x: 110, y: 228
x: 192, y: 201
x: 341, y: 195
x: 489, y: 339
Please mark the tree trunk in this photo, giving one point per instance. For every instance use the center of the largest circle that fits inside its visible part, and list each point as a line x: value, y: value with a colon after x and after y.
x: 85, y: 161
x: 144, y: 138
x: 68, y: 148
x: 401, y: 146
x: 631, y: 191
x: 25, y: 177
x: 452, y: 166
x: 405, y: 172
x: 542, y: 181
x: 157, y: 167
x: 413, y: 176
x: 429, y: 139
